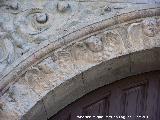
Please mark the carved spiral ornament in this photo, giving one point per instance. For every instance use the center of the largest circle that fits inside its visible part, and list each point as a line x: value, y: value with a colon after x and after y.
x: 33, y: 21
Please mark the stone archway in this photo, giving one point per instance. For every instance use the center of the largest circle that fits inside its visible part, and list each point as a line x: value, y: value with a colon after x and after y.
x: 93, y: 78
x: 135, y: 97
x: 60, y: 70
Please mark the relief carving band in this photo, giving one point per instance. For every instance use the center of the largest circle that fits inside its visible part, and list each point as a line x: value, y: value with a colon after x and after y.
x: 150, y: 27
x: 33, y: 77
x: 63, y: 6
x: 145, y: 33
x: 88, y: 50
x: 94, y: 44
x: 113, y: 43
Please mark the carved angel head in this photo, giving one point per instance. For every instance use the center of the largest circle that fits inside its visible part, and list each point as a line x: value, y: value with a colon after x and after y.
x: 150, y: 27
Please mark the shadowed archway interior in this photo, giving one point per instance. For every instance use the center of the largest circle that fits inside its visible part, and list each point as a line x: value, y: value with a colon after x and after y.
x: 135, y: 97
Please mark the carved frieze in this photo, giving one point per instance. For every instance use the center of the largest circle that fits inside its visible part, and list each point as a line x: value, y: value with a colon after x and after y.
x: 113, y: 43
x: 30, y: 24
x: 63, y: 6
x: 104, y: 45
x: 48, y: 65
x: 94, y: 43
x: 93, y: 49
x: 35, y: 78
x: 150, y: 27
x: 88, y: 50
x: 144, y: 34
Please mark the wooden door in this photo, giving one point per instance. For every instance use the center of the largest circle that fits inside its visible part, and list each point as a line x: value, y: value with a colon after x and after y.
x: 132, y: 98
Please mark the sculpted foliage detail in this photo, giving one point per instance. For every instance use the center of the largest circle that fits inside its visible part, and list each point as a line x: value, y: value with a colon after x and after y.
x: 102, y: 46
x: 144, y: 34
x: 29, y: 25
x: 7, y: 51
x: 94, y: 44
x: 25, y: 28
x: 150, y: 27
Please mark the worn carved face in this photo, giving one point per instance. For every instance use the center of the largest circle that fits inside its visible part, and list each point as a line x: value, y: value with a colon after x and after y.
x: 150, y: 27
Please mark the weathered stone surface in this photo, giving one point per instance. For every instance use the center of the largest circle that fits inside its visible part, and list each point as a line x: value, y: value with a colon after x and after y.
x: 106, y: 72
x: 36, y: 113
x: 54, y: 52
x: 64, y: 94
x: 94, y: 44
x: 145, y: 61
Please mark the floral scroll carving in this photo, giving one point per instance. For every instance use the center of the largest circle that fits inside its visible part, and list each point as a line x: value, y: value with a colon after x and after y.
x: 94, y: 48
x: 33, y: 74
x: 144, y: 33
x: 63, y: 6
x: 113, y: 43
x: 33, y: 21
x: 150, y: 27
x: 87, y: 50
x: 7, y: 51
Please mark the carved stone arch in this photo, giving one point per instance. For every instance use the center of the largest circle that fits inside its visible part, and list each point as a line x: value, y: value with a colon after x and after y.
x: 61, y: 70
x: 103, y: 73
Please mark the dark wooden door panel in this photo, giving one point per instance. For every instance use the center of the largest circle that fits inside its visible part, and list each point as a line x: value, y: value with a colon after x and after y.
x: 62, y: 115
x: 133, y: 103
x: 99, y: 108
x: 133, y: 96
x: 152, y: 108
x: 115, y: 106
